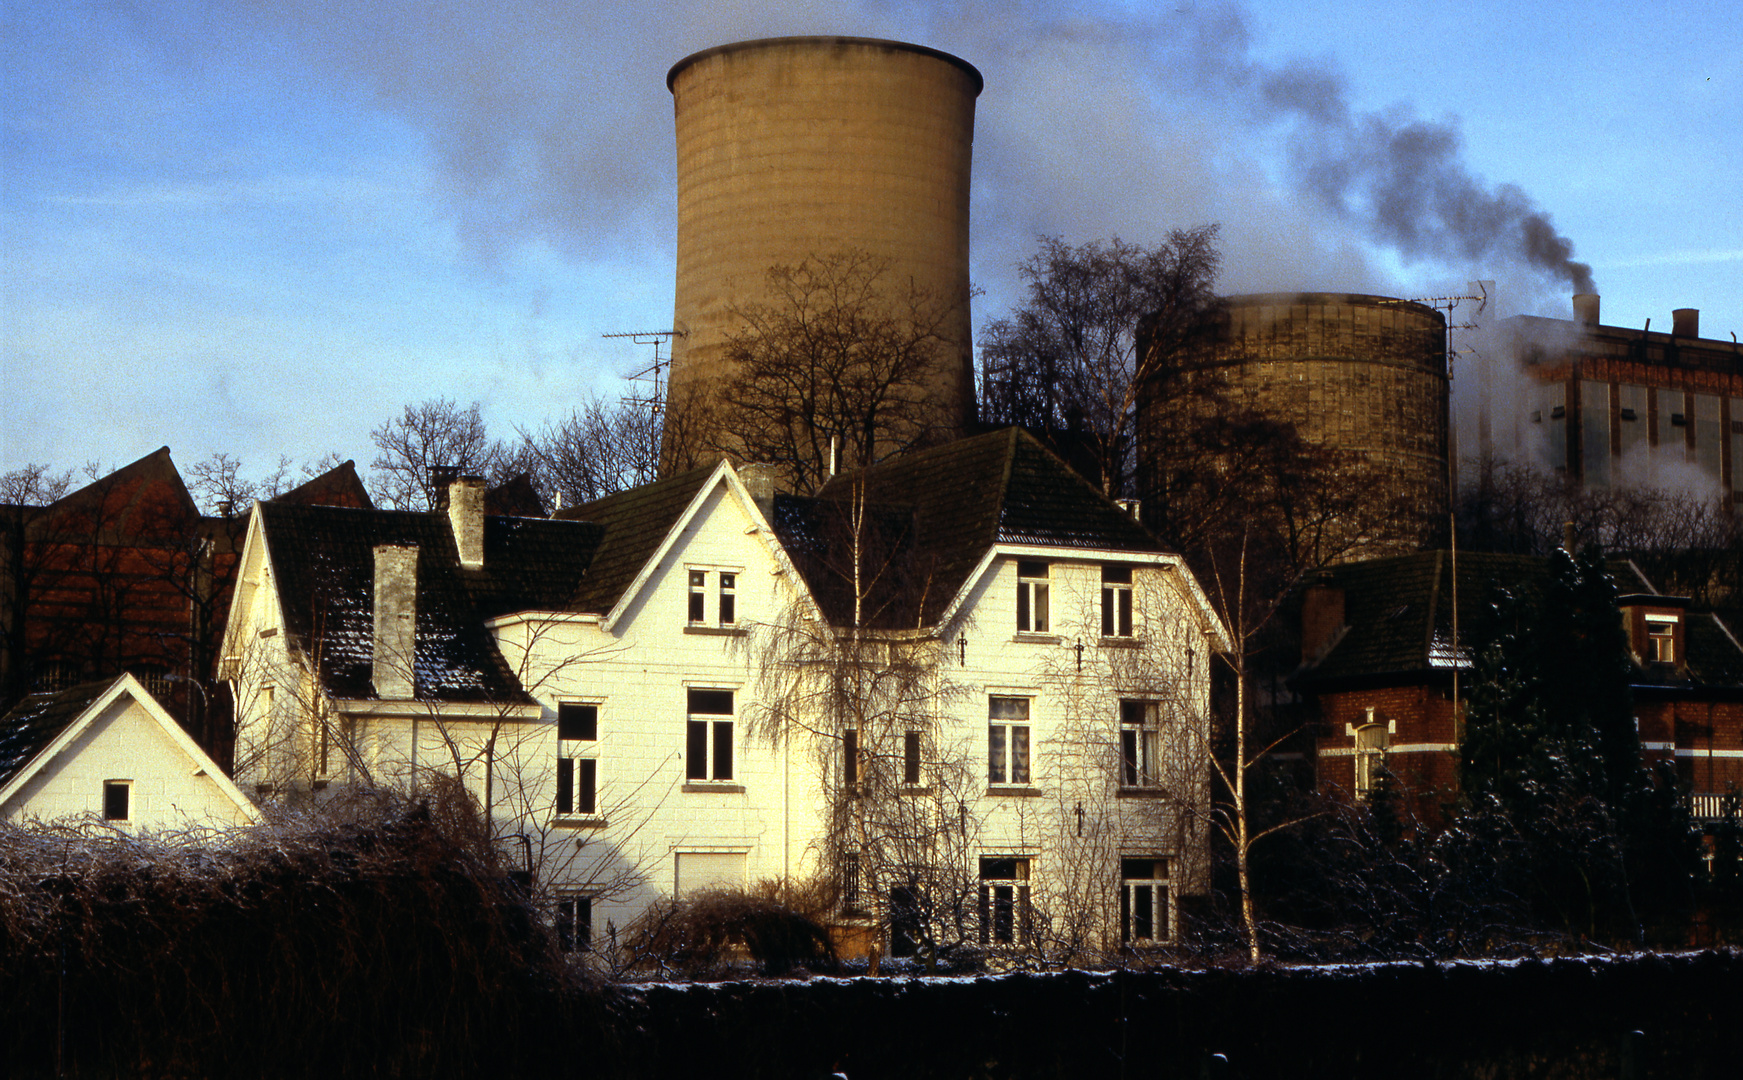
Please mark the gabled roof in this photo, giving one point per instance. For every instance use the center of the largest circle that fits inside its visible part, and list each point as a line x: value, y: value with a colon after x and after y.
x: 44, y: 725
x: 338, y: 486
x: 631, y: 527
x: 962, y: 498
x: 324, y: 561
x: 38, y: 720
x: 1398, y: 619
x: 143, y: 500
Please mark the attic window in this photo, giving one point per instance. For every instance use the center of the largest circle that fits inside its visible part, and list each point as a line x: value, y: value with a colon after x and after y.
x: 1661, y: 638
x: 117, y: 800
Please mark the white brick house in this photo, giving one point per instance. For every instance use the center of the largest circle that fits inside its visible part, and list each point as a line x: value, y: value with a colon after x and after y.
x: 632, y: 689
x: 108, y: 752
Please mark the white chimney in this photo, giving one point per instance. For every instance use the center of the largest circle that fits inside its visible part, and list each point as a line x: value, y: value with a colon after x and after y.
x: 396, y: 620
x: 466, y: 516
x: 1586, y: 309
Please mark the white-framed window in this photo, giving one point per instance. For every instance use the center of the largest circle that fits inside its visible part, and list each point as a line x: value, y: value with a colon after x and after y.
x: 708, y: 735
x: 1140, y: 730
x: 117, y: 800
x: 1146, y: 905
x: 1116, y: 601
x: 575, y: 923
x: 1371, y: 743
x: 1032, y: 602
x: 728, y: 598
x: 1661, y: 638
x: 1007, y: 740
x: 577, y: 765
x: 1004, y: 900
x: 713, y: 597
x: 698, y: 597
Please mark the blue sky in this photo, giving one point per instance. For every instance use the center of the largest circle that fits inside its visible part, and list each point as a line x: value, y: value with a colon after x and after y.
x: 262, y: 229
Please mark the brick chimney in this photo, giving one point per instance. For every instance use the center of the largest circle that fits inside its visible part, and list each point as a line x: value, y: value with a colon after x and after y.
x: 396, y: 620
x: 466, y: 517
x: 1686, y: 322
x: 1322, y: 616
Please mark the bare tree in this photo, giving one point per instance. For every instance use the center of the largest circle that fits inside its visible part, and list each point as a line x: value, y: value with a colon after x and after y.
x: 1067, y: 365
x: 602, y: 447
x: 33, y: 485
x: 423, y: 438
x: 841, y: 364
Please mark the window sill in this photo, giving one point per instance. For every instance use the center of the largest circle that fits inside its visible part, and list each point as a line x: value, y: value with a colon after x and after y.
x: 715, y: 631
x: 1139, y: 792
x: 578, y: 821
x: 1037, y: 639
x: 712, y: 787
x: 1021, y: 791
x: 1122, y: 643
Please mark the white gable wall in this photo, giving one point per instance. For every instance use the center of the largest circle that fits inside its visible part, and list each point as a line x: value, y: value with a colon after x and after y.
x: 170, y: 790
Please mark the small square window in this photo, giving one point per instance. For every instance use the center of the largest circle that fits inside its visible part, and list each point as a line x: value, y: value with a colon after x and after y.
x: 117, y: 800
x: 577, y: 722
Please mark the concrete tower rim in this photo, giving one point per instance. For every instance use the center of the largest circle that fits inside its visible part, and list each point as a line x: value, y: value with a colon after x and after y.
x: 825, y: 40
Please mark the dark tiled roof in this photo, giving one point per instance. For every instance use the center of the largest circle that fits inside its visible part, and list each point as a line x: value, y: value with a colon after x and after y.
x: 324, y: 559
x: 1398, y: 614
x: 38, y: 720
x: 514, y: 498
x: 965, y: 496
x: 631, y: 525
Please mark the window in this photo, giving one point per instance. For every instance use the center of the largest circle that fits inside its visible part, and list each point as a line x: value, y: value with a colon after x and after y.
x: 1146, y: 915
x: 1008, y: 740
x: 1371, y: 743
x: 850, y: 882
x: 911, y: 758
x: 1032, y: 597
x: 117, y: 799
x: 1116, y: 601
x: 1139, y: 729
x: 724, y: 591
x: 728, y: 599
x: 850, y: 757
x: 698, y: 596
x: 577, y: 776
x: 708, y: 753
x: 575, y: 924
x: 1661, y: 638
x: 1004, y: 900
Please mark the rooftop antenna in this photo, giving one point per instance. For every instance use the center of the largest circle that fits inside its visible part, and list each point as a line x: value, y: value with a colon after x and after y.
x: 652, y: 377
x: 1449, y: 304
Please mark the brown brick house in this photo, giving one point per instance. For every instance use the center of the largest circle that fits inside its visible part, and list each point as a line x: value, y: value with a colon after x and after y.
x: 1381, y: 674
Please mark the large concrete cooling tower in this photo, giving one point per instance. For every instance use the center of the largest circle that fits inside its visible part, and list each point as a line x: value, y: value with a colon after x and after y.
x: 797, y: 148
x: 1365, y: 376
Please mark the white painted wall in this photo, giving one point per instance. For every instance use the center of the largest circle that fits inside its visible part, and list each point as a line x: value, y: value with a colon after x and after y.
x: 170, y: 790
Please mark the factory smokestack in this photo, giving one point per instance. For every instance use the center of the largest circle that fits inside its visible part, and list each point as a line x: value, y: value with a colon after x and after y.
x: 1586, y: 309
x: 791, y: 149
x: 1686, y: 322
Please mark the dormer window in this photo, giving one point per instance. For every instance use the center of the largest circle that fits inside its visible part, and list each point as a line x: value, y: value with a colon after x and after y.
x: 1032, y: 607
x: 1661, y: 639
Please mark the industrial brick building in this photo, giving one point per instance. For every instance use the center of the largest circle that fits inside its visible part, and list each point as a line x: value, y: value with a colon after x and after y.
x: 1618, y: 406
